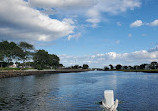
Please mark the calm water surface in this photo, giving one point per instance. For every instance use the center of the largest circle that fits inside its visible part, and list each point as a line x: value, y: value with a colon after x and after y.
x: 79, y: 91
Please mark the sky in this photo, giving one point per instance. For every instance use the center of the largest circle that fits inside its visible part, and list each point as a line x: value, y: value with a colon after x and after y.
x: 93, y: 32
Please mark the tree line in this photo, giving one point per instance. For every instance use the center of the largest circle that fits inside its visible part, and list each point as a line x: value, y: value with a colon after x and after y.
x: 152, y: 65
x: 24, y: 54
x: 84, y: 66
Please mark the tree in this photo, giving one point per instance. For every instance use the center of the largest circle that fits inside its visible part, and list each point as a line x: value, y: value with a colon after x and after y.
x: 106, y: 68
x: 153, y: 65
x: 118, y: 66
x: 17, y: 52
x: 1, y: 59
x: 111, y: 66
x: 54, y: 61
x: 85, y: 66
x: 27, y: 48
x: 61, y: 65
x: 10, y: 51
x: 44, y: 60
x: 41, y: 59
x: 136, y: 67
x: 125, y: 67
x: 76, y: 66
x: 142, y: 66
x: 130, y: 67
x: 5, y: 50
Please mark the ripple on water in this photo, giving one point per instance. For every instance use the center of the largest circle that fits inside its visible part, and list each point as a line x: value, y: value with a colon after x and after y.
x: 79, y: 91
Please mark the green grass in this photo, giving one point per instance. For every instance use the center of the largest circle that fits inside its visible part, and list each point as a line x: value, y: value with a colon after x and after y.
x: 9, y: 69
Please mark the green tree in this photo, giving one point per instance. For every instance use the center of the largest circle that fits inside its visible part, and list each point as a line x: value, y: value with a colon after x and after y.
x: 10, y: 51
x: 111, y: 66
x: 142, y: 66
x: 136, y: 67
x: 44, y: 60
x: 53, y: 61
x: 106, y: 68
x: 61, y: 65
x: 85, y: 66
x: 5, y: 50
x: 153, y: 65
x: 118, y: 66
x: 27, y: 48
x: 76, y: 66
x: 125, y: 67
x: 41, y: 59
x: 1, y: 59
x: 130, y: 67
x: 17, y: 52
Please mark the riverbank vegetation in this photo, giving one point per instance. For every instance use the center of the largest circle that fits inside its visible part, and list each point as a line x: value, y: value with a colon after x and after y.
x: 23, y: 55
x: 152, y: 67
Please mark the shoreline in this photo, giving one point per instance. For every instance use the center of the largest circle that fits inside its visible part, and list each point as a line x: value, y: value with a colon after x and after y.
x: 144, y: 71
x: 16, y: 73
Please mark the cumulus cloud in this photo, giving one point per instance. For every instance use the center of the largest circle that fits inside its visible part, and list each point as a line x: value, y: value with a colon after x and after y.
x: 30, y: 20
x: 19, y: 20
x: 100, y: 60
x: 154, y: 23
x: 92, y: 9
x: 137, y: 23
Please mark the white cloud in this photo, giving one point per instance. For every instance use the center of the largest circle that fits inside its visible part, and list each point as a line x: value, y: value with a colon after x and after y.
x: 100, y: 60
x: 19, y: 20
x: 22, y: 20
x: 91, y: 9
x: 137, y: 23
x: 64, y: 4
x: 154, y: 23
x: 117, y: 6
x: 74, y: 36
x: 94, y: 17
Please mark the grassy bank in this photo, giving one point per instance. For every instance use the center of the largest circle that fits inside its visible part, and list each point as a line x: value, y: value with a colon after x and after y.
x: 11, y: 69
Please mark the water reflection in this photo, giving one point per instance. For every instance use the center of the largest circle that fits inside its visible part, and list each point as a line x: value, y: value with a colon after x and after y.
x: 79, y: 91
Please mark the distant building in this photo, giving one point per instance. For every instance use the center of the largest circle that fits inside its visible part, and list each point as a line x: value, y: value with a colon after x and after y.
x: 13, y: 66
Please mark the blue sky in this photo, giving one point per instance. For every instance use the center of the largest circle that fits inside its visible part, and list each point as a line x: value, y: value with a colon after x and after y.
x: 94, y: 32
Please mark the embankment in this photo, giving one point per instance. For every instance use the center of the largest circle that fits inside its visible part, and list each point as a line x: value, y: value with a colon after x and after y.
x: 7, y: 74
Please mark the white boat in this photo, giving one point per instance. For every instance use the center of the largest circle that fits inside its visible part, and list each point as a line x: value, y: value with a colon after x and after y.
x: 108, y: 103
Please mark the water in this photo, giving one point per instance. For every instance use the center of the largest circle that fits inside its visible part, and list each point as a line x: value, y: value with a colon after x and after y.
x: 79, y: 91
